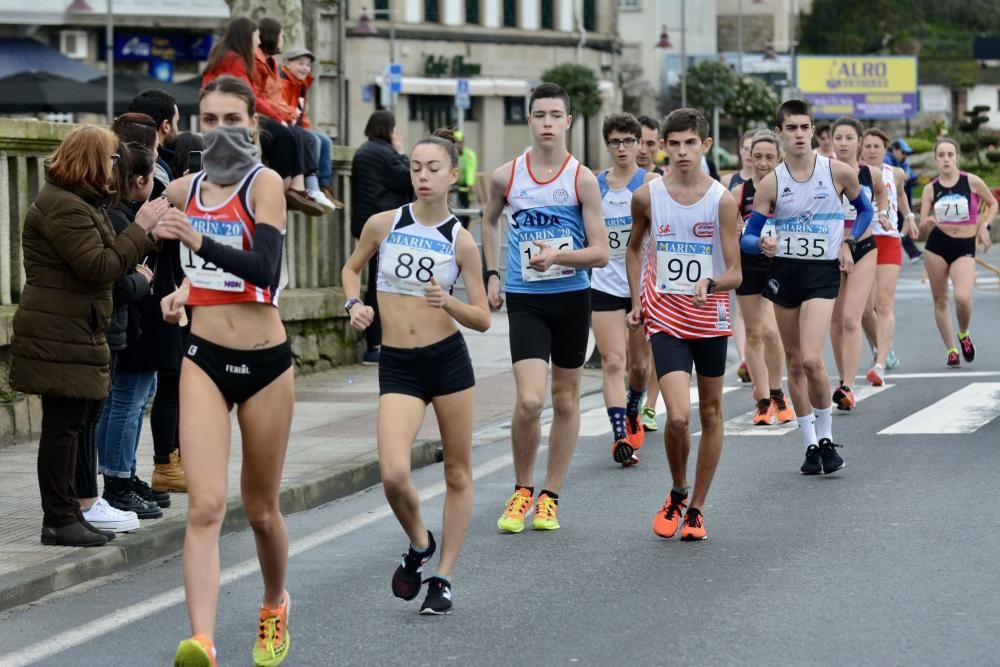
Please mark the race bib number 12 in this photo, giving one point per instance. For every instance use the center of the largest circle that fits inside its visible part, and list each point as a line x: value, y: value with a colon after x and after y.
x: 203, y: 273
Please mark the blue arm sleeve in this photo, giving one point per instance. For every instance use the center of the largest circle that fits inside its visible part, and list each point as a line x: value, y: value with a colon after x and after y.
x: 750, y: 241
x: 865, y: 210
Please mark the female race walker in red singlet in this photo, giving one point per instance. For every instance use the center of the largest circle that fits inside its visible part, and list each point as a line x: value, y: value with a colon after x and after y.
x: 949, y: 209
x: 855, y: 287
x: 422, y: 249
x: 230, y: 220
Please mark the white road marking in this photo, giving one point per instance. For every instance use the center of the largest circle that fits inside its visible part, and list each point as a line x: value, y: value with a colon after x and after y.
x: 743, y: 424
x: 963, y: 411
x: 956, y: 373
x: 122, y: 617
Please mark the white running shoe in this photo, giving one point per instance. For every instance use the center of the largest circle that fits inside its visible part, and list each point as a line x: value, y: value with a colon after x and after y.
x: 104, y: 516
x: 321, y: 199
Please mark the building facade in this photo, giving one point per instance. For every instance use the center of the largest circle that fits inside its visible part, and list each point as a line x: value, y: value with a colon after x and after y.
x: 499, y: 47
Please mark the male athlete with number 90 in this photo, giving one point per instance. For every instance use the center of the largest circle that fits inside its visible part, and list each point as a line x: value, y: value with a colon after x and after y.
x: 680, y: 292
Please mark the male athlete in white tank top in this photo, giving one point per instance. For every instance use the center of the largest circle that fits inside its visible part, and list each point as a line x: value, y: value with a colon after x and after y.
x: 680, y: 294
x: 810, y: 250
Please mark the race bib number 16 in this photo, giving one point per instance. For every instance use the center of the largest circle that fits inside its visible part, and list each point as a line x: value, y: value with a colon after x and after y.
x: 529, y: 250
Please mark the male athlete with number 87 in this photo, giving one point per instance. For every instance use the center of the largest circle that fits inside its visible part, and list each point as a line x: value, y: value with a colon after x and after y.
x: 809, y: 251
x: 692, y: 260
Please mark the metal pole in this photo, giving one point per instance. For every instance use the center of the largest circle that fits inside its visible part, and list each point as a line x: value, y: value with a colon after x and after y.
x: 109, y: 37
x: 739, y: 38
x: 684, y: 57
x: 392, y: 52
x: 715, y: 137
x: 791, y: 48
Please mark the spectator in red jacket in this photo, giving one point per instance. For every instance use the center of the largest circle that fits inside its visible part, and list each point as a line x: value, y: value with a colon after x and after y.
x: 269, y: 85
x: 296, y: 78
x: 234, y: 55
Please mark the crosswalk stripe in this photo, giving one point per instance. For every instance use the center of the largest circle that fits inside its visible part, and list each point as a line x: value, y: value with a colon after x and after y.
x: 743, y: 424
x: 963, y: 411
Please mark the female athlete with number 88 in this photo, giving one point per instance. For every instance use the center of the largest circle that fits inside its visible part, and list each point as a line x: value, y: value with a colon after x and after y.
x: 422, y: 249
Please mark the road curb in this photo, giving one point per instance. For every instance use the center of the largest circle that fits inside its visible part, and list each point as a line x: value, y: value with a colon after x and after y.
x: 165, y: 537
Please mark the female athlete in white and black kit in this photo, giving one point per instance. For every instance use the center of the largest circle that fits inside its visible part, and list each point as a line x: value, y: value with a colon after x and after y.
x: 856, y: 286
x: 949, y: 209
x: 422, y: 250
x: 230, y: 220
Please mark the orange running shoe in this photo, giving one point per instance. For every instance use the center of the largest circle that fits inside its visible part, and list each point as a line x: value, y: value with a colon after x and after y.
x: 765, y: 413
x: 669, y: 517
x: 273, y: 638
x: 636, y: 433
x: 622, y: 451
x: 694, y: 526
x: 512, y: 519
x: 783, y: 410
x: 195, y: 652
x: 844, y: 398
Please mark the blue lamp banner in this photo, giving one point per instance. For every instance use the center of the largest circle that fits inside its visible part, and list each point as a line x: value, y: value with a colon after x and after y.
x: 180, y: 47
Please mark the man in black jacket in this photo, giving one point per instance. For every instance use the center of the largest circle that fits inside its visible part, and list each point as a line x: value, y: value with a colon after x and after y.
x: 380, y: 181
x: 162, y: 108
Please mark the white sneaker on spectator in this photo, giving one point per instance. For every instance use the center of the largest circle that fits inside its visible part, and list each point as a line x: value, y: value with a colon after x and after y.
x: 321, y: 199
x: 102, y: 515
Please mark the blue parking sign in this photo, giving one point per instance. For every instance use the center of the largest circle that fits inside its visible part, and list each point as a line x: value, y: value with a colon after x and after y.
x: 462, y: 98
x: 396, y: 77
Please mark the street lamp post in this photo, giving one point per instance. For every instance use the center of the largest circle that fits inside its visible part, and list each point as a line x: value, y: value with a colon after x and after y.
x: 81, y: 7
x: 364, y: 28
x: 665, y: 43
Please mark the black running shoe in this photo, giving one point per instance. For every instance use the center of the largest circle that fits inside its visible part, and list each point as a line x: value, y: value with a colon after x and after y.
x: 814, y: 463
x: 406, y: 579
x: 831, y: 459
x: 438, y: 600
x: 146, y: 492
x: 968, y: 349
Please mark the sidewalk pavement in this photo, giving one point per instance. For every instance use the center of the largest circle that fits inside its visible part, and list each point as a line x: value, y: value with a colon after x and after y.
x: 331, y: 454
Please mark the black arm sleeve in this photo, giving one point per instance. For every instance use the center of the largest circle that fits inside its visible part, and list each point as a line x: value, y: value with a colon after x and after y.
x: 259, y: 265
x: 131, y: 288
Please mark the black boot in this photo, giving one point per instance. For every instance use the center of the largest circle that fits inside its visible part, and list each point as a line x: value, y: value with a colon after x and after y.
x: 72, y: 535
x: 119, y: 494
x: 146, y: 492
x: 109, y: 534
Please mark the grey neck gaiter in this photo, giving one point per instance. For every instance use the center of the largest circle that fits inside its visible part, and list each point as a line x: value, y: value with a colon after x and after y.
x: 229, y: 154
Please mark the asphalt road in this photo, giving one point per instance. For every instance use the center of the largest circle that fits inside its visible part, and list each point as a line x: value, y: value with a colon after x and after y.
x: 889, y: 562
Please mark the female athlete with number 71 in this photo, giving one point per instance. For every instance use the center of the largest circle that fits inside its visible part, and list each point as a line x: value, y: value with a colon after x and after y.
x: 422, y: 249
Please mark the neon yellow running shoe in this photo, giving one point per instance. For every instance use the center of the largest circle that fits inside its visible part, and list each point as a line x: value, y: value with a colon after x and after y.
x: 649, y: 418
x: 195, y: 652
x: 546, y: 510
x: 273, y: 638
x: 512, y: 519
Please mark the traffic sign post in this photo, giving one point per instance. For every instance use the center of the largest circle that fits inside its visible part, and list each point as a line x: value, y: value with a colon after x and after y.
x: 395, y: 78
x: 463, y: 101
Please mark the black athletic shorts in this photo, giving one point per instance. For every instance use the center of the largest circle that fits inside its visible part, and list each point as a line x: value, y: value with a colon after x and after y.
x: 544, y: 326
x: 755, y: 271
x: 438, y: 369
x: 239, y: 374
x: 948, y: 248
x: 706, y: 355
x: 862, y: 248
x: 793, y: 281
x: 601, y: 302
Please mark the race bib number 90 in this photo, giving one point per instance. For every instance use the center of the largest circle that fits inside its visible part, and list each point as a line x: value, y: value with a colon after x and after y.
x: 203, y: 273
x: 679, y: 266
x: 529, y: 249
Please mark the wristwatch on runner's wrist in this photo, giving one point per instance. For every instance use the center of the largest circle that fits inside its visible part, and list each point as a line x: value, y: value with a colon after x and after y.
x: 711, y: 286
x: 492, y: 272
x: 850, y: 243
x: 350, y: 304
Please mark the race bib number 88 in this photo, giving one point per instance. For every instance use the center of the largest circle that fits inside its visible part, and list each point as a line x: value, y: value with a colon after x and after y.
x: 529, y: 250
x: 203, y: 273
x: 408, y: 270
x: 679, y: 266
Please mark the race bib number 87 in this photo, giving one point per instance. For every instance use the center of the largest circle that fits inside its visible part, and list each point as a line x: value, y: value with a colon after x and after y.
x: 619, y: 232
x: 680, y: 265
x: 203, y: 273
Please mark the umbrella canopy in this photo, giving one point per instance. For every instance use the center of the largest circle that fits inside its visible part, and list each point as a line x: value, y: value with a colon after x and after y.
x: 40, y: 92
x: 130, y: 84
